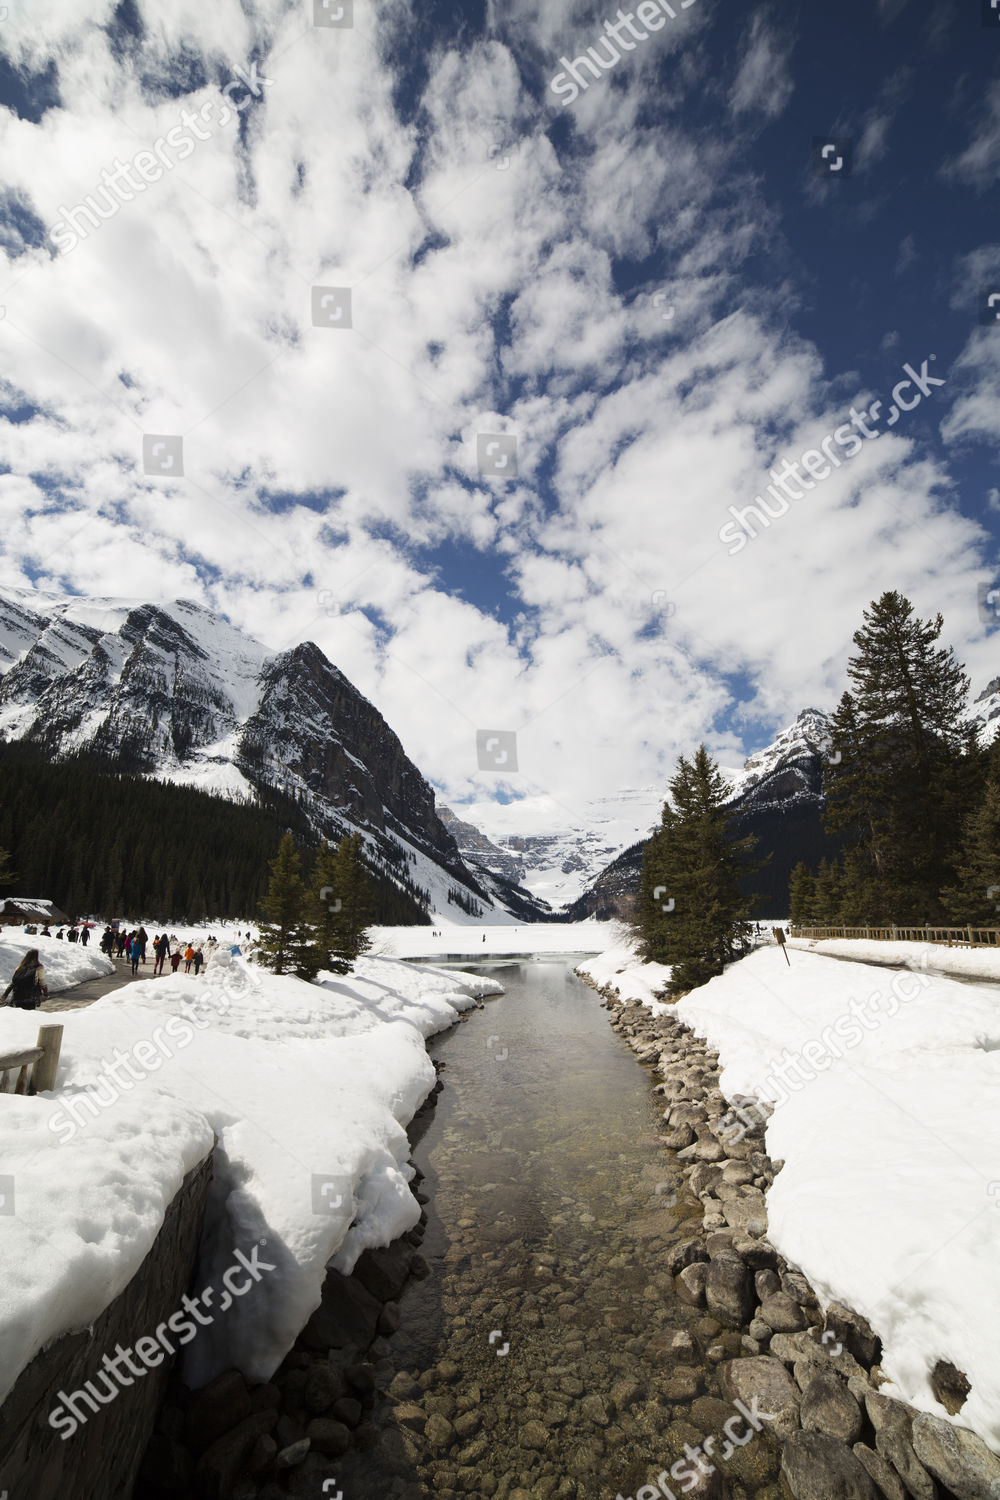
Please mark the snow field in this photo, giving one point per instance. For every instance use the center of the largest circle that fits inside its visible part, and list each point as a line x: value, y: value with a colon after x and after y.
x: 886, y: 1094
x: 297, y: 1081
x: 466, y: 938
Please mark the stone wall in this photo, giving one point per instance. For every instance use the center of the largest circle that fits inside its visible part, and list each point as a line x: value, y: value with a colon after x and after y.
x: 100, y: 1461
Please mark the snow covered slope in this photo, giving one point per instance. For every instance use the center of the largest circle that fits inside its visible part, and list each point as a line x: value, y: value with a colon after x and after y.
x: 173, y: 690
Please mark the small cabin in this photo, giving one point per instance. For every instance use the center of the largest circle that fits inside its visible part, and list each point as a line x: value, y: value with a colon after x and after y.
x: 30, y: 911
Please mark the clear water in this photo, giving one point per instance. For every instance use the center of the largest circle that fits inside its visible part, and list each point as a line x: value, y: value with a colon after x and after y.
x: 551, y: 1209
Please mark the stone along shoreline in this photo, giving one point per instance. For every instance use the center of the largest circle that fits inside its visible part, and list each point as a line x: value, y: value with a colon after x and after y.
x: 832, y: 1433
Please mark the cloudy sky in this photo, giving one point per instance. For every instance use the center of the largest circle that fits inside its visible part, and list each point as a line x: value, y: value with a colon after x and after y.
x: 458, y: 337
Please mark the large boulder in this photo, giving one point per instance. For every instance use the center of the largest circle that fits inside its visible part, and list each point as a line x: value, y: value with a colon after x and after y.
x: 828, y: 1406
x: 957, y: 1457
x: 769, y: 1382
x: 815, y: 1466
x: 729, y: 1292
x: 893, y: 1423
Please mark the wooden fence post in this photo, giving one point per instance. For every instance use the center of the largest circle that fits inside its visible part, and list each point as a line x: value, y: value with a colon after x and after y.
x: 50, y: 1041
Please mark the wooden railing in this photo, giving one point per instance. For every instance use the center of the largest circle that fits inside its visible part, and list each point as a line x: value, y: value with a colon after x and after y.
x: 35, y: 1067
x: 954, y: 937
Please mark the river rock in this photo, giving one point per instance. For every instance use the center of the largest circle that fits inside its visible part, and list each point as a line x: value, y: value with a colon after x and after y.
x: 404, y: 1387
x: 729, y: 1293
x: 767, y: 1380
x: 828, y: 1406
x: 408, y: 1414
x: 594, y: 1410
x: 766, y: 1283
x: 677, y: 1139
x: 855, y: 1333
x: 328, y: 1436
x: 534, y: 1435
x: 809, y: 1355
x: 221, y: 1462
x: 384, y: 1272
x: 324, y: 1385
x: 707, y: 1149
x: 439, y: 1432
x: 685, y: 1254
x: 759, y: 1254
x: 780, y: 1312
x: 957, y: 1457
x: 887, y: 1481
x: 690, y: 1283
x: 817, y: 1467
x: 293, y: 1455
x: 703, y: 1178
x: 748, y: 1213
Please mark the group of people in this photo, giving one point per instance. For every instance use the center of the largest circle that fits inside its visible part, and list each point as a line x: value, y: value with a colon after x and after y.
x: 166, y: 948
x: 72, y: 934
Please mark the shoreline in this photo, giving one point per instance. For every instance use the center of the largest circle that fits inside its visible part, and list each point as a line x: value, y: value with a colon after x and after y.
x: 836, y: 1431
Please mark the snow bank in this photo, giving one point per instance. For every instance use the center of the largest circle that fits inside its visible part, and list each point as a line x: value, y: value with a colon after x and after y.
x: 889, y: 1199
x: 307, y: 1088
x: 65, y: 963
x: 617, y: 969
x: 967, y: 963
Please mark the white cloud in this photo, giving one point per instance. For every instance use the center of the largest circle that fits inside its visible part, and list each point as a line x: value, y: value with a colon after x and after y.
x: 979, y: 164
x: 483, y: 300
x: 764, y: 82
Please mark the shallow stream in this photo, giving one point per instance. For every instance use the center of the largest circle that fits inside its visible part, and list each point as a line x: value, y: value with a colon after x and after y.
x: 549, y: 1337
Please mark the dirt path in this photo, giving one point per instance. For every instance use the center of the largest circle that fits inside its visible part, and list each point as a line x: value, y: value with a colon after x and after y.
x: 92, y: 989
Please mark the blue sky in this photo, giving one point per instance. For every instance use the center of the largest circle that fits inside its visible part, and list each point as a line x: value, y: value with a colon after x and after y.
x: 646, y: 298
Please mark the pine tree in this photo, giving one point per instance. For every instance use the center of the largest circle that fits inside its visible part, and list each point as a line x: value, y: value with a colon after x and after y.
x: 282, y: 934
x: 901, y: 740
x: 691, y: 914
x: 801, y: 896
x: 975, y: 895
x: 827, y: 894
x: 353, y: 890
x: 6, y: 870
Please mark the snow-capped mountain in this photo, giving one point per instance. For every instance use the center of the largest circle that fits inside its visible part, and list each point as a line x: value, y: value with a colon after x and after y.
x: 573, y: 847
x: 174, y: 691
x: 567, y: 847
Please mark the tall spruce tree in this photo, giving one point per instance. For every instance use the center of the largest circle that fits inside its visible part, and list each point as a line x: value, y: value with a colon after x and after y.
x: 6, y: 870
x: 284, y: 940
x: 691, y: 914
x: 802, y: 896
x: 896, y: 789
x: 351, y: 889
x: 975, y: 895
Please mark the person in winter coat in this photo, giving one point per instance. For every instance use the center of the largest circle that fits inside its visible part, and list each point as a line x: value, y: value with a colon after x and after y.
x: 135, y: 953
x: 188, y: 958
x: 161, y: 948
x: 143, y: 937
x: 72, y: 935
x: 175, y: 959
x: 199, y: 959
x: 85, y: 936
x: 27, y: 988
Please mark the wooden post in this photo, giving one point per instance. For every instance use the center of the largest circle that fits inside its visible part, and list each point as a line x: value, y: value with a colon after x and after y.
x: 50, y: 1041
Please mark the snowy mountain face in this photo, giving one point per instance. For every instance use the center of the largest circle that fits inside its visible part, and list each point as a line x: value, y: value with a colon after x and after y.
x: 985, y: 712
x: 175, y: 691
x: 568, y: 847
